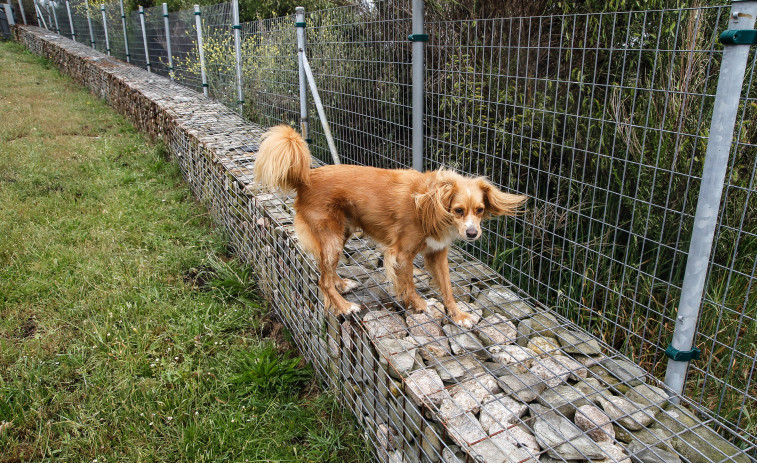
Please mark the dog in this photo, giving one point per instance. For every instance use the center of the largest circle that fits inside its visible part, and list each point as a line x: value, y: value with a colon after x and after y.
x: 405, y: 211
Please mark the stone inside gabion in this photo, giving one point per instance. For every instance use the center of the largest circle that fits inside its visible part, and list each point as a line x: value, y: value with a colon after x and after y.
x: 522, y: 385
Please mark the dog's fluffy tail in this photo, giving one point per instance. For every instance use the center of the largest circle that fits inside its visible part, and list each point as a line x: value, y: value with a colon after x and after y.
x: 283, y: 160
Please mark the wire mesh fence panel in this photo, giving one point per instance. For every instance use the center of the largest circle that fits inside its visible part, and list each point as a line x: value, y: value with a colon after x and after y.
x: 269, y: 67
x: 186, y: 59
x: 136, y: 42
x: 360, y: 57
x: 602, y: 120
x: 220, y: 60
x: 157, y: 45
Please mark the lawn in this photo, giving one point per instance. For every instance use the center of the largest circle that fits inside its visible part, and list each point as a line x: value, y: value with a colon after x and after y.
x: 126, y: 332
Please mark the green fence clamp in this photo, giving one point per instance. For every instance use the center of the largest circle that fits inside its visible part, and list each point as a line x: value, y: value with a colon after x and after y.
x: 418, y: 37
x: 308, y: 140
x: 299, y: 24
x: 205, y: 85
x: 198, y: 13
x: 240, y: 102
x: 739, y: 37
x: 682, y: 355
x: 237, y: 26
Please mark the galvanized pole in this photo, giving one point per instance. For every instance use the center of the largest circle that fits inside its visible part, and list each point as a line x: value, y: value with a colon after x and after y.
x: 9, y: 14
x: 21, y: 9
x: 144, y: 37
x: 238, y: 54
x: 201, y: 50
x: 299, y: 23
x: 89, y: 24
x: 70, y: 21
x: 730, y: 81
x: 40, y: 16
x: 105, y: 28
x: 418, y: 38
x: 55, y: 16
x: 168, y: 41
x: 126, y: 37
x: 320, y: 109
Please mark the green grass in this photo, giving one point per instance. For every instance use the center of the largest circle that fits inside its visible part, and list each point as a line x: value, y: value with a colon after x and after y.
x: 125, y: 333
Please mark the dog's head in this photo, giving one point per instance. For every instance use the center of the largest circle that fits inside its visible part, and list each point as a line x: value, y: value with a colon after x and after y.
x: 453, y: 203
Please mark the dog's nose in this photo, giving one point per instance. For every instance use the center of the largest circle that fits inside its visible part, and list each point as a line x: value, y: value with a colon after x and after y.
x: 471, y: 232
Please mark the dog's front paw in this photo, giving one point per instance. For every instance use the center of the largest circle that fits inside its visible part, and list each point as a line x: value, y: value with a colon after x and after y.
x: 464, y: 320
x: 353, y: 308
x: 347, y: 286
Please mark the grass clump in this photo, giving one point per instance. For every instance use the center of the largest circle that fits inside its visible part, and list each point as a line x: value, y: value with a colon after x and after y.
x: 122, y: 323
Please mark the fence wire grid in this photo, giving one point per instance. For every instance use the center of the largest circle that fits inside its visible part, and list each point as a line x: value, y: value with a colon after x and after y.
x: 601, y: 119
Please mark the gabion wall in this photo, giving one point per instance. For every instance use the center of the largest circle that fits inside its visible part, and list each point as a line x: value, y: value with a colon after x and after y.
x: 523, y: 385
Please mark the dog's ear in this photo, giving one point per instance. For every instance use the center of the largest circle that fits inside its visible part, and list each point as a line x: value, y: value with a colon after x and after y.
x: 433, y: 206
x: 498, y: 203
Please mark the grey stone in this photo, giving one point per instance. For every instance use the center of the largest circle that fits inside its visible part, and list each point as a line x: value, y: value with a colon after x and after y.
x: 642, y: 454
x: 463, y: 341
x: 646, y: 394
x: 367, y: 258
x: 431, y: 349
x: 452, y: 368
x: 425, y: 387
x: 524, y: 387
x: 563, y: 439
x: 695, y: 441
x: 520, y: 437
x: 423, y: 325
x: 614, y: 453
x: 381, y: 322
x: 556, y: 370
x: 495, y: 331
x: 503, y: 301
x: 500, y: 450
x: 353, y: 272
x: 524, y: 332
x: 515, y: 356
x: 398, y: 354
x: 595, y: 423
x: 470, y: 394
x: 397, y: 456
x: 565, y: 399
x: 452, y: 454
x: 625, y: 370
x: 578, y: 342
x: 541, y: 345
x: 501, y: 411
x: 652, y: 437
x: 465, y: 429
x: 630, y: 414
x: 386, y: 437
x: 544, y: 324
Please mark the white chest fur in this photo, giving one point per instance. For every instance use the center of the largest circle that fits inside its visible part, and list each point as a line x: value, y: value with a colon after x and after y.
x: 438, y: 245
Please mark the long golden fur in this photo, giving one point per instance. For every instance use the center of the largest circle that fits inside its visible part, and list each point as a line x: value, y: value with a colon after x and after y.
x: 406, y: 211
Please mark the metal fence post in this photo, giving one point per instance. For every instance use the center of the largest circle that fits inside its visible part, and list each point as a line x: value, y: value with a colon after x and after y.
x: 105, y: 29
x: 70, y: 21
x: 730, y: 81
x: 126, y: 37
x: 168, y: 41
x: 144, y: 37
x: 201, y: 50
x: 21, y: 9
x: 89, y: 24
x: 238, y: 53
x: 9, y: 14
x: 299, y: 23
x: 418, y: 38
x: 40, y: 16
x: 55, y: 17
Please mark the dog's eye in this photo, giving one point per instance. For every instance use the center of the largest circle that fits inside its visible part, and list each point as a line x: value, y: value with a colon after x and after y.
x: 480, y: 210
x: 459, y: 211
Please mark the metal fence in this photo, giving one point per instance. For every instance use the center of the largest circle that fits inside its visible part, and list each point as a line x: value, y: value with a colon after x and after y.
x: 603, y: 120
